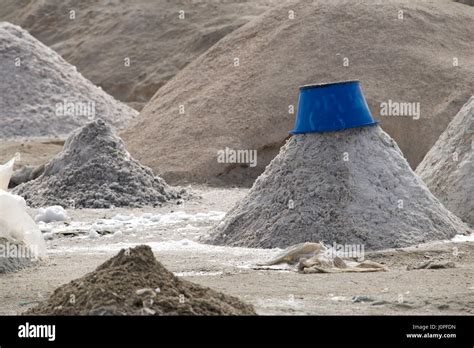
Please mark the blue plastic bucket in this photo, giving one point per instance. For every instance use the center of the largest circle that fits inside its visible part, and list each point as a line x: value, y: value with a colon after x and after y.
x: 332, y: 107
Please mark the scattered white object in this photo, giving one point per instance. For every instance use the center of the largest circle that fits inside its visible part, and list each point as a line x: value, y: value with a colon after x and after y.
x: 18, y: 227
x: 338, y: 298
x: 459, y: 238
x: 93, y: 234
x: 50, y: 214
x: 48, y: 236
x: 6, y: 172
x: 146, y: 291
x: 15, y: 223
x: 198, y: 273
x: 121, y: 217
x: 44, y: 227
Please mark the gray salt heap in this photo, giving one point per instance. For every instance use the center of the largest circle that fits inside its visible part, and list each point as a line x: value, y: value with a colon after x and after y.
x: 448, y: 168
x: 349, y: 187
x: 94, y: 170
x: 42, y: 95
x: 10, y: 263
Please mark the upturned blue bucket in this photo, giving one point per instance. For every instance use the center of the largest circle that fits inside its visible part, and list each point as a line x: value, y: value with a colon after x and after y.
x: 332, y: 107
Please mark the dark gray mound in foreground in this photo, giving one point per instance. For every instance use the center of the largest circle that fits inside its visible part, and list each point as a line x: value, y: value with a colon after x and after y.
x: 350, y: 187
x: 448, y: 168
x: 134, y: 283
x: 94, y: 170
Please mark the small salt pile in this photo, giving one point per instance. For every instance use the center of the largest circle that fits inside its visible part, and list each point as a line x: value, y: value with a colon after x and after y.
x: 94, y: 170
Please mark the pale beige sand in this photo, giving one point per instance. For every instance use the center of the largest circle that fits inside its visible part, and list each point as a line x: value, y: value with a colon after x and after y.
x: 246, y: 107
x: 34, y: 152
x: 149, y: 32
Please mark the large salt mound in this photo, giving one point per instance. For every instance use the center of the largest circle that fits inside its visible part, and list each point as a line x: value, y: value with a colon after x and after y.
x: 448, y: 168
x: 94, y: 170
x: 350, y: 187
x: 43, y: 95
x: 247, y: 107
x: 134, y: 283
x: 105, y: 32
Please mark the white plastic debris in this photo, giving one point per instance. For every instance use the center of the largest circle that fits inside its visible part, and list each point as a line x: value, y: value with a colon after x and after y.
x: 93, y: 234
x: 15, y: 223
x: 50, y: 214
x: 6, y: 172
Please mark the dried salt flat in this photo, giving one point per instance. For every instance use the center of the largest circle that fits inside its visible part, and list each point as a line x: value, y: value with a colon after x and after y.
x: 217, y: 257
x: 131, y: 223
x: 180, y: 231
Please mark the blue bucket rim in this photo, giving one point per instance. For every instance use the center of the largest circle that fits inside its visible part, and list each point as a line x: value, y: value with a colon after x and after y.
x: 327, y: 84
x: 375, y: 123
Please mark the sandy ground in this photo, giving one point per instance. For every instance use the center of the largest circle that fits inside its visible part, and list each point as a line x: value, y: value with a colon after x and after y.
x: 231, y: 270
x: 33, y: 152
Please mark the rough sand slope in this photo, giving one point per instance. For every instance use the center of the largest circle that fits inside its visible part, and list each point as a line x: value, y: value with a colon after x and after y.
x: 34, y: 152
x: 94, y: 170
x: 149, y: 32
x: 466, y: 2
x: 247, y: 106
x: 448, y: 168
x: 42, y: 95
x: 351, y: 187
x: 134, y: 283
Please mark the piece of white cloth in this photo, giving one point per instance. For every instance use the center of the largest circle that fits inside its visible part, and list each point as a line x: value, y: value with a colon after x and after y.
x: 6, y: 172
x: 16, y: 226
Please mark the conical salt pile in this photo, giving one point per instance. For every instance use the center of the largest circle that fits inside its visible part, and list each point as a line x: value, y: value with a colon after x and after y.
x: 94, y: 170
x: 43, y: 95
x: 349, y: 187
x: 134, y: 283
x: 448, y: 168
